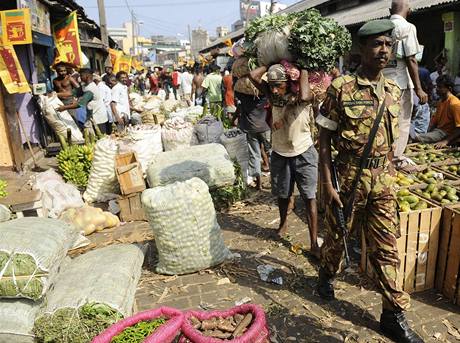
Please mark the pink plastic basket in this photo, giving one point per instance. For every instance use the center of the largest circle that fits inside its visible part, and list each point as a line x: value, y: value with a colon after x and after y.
x: 257, y: 332
x: 164, y: 334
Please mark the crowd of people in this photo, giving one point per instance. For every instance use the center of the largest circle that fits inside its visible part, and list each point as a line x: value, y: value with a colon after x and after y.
x: 367, y: 116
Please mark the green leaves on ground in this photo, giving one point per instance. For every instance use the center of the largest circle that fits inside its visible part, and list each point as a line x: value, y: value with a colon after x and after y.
x: 3, y: 185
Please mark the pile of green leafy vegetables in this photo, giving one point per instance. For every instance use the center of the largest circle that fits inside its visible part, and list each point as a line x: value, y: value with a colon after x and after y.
x: 224, y: 197
x: 315, y: 41
x: 139, y: 331
x: 75, y: 325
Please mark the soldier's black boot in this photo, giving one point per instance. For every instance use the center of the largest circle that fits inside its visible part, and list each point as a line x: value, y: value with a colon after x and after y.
x: 325, y: 287
x: 394, y: 325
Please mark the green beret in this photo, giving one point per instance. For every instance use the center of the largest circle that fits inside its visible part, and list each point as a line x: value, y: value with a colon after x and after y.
x: 375, y: 27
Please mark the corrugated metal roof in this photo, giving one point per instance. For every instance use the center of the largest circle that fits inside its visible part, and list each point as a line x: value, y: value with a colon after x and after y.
x: 378, y: 9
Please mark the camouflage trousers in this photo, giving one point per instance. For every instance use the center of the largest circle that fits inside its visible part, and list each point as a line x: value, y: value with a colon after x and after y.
x: 375, y: 213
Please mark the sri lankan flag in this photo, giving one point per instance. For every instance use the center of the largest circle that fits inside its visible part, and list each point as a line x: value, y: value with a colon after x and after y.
x: 67, y: 41
x: 123, y: 64
x: 11, y: 72
x: 136, y: 64
x: 16, y: 26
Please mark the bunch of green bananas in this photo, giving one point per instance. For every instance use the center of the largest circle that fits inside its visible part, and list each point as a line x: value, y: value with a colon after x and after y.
x: 74, y: 163
x: 3, y: 185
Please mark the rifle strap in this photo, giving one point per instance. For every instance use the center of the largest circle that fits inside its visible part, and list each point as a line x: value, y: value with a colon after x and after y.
x: 363, y: 161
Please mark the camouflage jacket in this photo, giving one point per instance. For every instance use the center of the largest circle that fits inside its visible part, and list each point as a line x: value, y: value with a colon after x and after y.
x: 350, y: 109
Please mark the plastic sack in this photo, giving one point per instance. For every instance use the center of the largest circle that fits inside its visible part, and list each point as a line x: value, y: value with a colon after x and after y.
x: 176, y: 134
x: 240, y: 67
x: 273, y: 46
x: 166, y: 333
x: 17, y: 320
x: 183, y: 220
x: 102, y: 182
x: 5, y: 213
x: 235, y: 142
x: 256, y: 333
x: 145, y: 140
x: 189, y: 114
x: 31, y: 251
x: 208, y: 130
x: 89, y: 219
x: 170, y: 105
x: 59, y: 121
x: 57, y: 195
x: 209, y: 162
x: 95, y: 290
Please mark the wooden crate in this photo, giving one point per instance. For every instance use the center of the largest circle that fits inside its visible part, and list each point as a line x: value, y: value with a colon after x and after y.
x: 448, y: 268
x: 417, y: 247
x: 129, y: 173
x: 131, y: 208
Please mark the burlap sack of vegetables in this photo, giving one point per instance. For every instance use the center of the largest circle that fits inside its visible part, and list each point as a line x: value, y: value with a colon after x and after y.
x: 17, y: 320
x: 183, y: 220
x: 93, y: 292
x: 209, y: 162
x: 31, y: 251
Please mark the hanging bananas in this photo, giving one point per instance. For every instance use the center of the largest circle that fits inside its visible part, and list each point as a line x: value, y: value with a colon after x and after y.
x: 74, y: 163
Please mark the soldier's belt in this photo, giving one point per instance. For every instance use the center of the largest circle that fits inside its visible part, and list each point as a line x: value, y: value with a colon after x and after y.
x: 371, y: 163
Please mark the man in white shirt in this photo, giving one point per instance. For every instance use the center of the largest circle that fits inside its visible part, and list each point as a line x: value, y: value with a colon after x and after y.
x: 186, y: 86
x: 403, y: 69
x: 120, y: 100
x: 93, y: 101
x: 106, y: 94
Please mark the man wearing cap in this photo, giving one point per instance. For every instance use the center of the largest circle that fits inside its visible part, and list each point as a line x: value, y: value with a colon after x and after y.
x: 403, y: 69
x: 346, y: 119
x: 294, y: 159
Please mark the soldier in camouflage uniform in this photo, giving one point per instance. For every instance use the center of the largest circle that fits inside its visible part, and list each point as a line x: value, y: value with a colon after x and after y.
x: 346, y: 118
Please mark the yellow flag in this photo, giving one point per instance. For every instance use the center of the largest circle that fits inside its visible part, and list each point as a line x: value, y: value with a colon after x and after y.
x: 114, y: 54
x: 136, y: 64
x: 123, y: 64
x: 228, y: 42
x: 16, y: 26
x: 11, y: 71
x: 67, y: 41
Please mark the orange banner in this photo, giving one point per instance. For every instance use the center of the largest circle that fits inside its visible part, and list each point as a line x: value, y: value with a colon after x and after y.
x: 123, y: 64
x: 67, y: 41
x: 16, y: 26
x: 136, y: 64
x: 11, y: 71
x: 114, y: 54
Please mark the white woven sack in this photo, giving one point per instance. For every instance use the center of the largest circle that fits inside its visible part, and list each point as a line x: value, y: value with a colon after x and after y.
x: 102, y: 181
x: 145, y: 140
x: 59, y: 121
x: 209, y: 162
x: 176, y: 134
x: 183, y: 219
x: 45, y: 240
x: 17, y: 319
x: 107, y: 275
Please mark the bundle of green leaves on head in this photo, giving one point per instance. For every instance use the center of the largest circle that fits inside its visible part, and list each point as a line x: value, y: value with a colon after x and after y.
x: 314, y: 42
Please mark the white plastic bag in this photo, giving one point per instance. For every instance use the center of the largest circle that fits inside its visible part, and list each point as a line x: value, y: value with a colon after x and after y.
x: 183, y: 219
x: 17, y: 320
x: 145, y: 140
x: 176, y: 134
x: 209, y: 162
x: 57, y: 195
x: 59, y: 121
x: 31, y: 251
x: 102, y: 181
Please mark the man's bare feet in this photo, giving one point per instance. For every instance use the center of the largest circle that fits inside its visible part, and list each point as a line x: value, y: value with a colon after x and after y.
x: 282, y: 231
